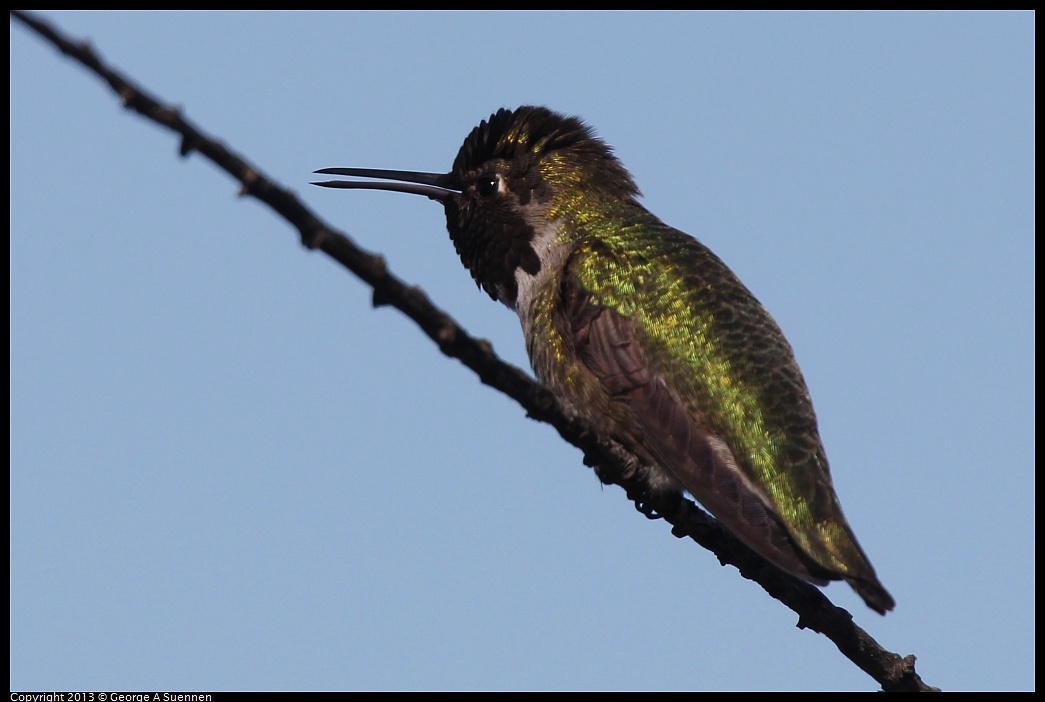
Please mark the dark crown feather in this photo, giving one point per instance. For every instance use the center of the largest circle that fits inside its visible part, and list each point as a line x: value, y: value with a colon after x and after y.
x: 529, y: 133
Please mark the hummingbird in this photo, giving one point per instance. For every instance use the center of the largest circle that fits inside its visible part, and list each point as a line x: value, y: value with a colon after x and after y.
x: 644, y: 332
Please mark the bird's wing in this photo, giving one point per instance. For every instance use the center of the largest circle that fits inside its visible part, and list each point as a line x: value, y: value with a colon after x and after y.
x: 711, y: 383
x: 606, y: 331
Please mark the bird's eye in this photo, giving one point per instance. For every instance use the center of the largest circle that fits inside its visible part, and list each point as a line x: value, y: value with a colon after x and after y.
x: 486, y: 186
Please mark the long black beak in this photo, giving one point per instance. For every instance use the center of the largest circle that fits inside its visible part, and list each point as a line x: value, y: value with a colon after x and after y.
x: 436, y: 186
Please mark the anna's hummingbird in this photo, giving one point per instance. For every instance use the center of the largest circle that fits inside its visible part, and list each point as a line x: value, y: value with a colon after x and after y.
x: 643, y: 331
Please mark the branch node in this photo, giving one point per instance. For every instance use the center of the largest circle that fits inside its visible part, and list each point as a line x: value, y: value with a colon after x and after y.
x: 248, y: 180
x: 188, y: 145
x: 127, y: 95
x: 313, y: 237
x: 382, y: 297
x: 446, y: 334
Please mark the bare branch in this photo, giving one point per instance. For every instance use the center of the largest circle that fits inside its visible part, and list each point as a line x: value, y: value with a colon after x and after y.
x: 611, y: 463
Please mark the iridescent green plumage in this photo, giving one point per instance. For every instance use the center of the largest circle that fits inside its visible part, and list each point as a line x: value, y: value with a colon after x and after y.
x: 646, y: 333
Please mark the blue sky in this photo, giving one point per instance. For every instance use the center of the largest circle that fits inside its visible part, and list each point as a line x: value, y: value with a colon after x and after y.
x: 229, y: 472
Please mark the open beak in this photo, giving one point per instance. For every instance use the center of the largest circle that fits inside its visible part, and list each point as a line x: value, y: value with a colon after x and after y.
x: 435, y: 186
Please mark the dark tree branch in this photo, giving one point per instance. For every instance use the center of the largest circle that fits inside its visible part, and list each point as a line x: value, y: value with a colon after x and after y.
x: 611, y: 463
